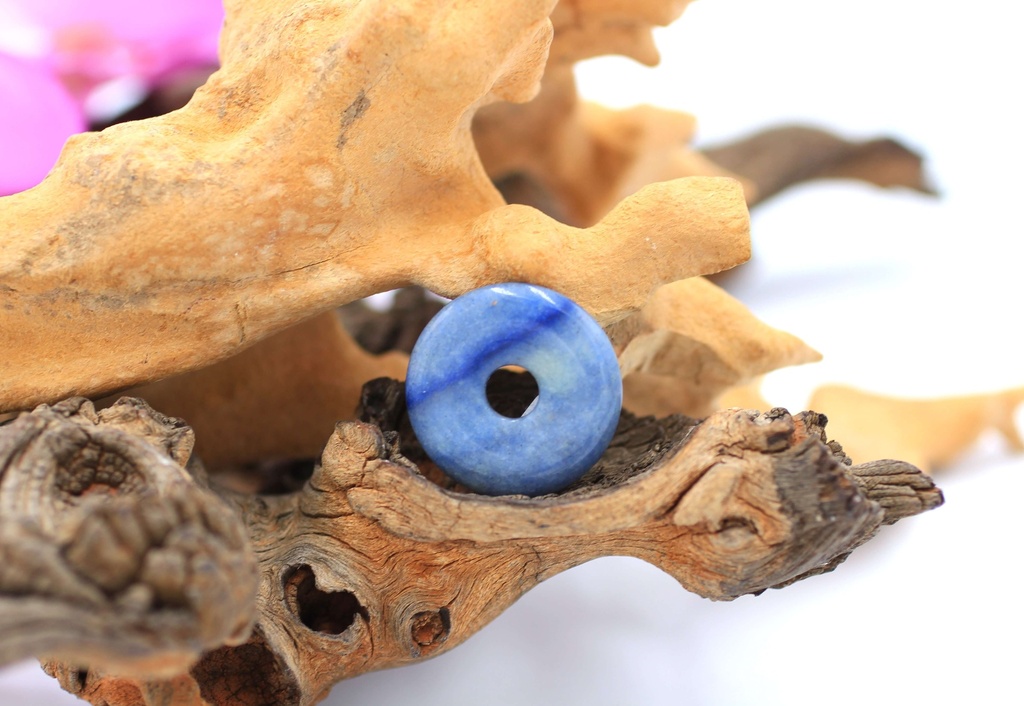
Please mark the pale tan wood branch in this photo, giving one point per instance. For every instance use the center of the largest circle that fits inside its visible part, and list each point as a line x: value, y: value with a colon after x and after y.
x: 284, y: 189
x: 930, y: 433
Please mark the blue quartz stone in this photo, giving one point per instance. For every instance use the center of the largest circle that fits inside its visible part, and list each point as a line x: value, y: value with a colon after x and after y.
x: 564, y: 431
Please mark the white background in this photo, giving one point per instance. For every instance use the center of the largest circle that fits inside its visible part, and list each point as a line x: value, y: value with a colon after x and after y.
x: 904, y: 294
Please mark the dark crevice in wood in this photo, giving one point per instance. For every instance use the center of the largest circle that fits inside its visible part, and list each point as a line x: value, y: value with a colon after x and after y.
x: 246, y: 675
x: 281, y: 476
x: 522, y: 188
x: 395, y: 329
x: 327, y: 612
x: 382, y: 404
x: 640, y: 444
x: 173, y: 92
x: 430, y: 629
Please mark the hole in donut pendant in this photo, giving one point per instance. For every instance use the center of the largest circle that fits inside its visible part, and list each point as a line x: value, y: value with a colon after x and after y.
x: 512, y: 391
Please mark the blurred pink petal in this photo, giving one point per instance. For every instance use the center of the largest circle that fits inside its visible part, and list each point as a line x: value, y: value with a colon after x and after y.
x: 130, y: 19
x: 98, y: 40
x: 37, y: 115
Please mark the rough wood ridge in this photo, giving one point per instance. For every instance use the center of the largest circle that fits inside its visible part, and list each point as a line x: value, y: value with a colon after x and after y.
x: 198, y: 257
x: 372, y: 564
x: 328, y: 159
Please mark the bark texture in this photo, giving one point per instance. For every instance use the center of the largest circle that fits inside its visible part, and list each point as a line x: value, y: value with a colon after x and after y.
x: 111, y: 552
x: 378, y: 561
x: 334, y: 155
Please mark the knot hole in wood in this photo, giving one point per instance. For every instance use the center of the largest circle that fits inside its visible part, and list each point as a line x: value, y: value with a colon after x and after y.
x: 430, y: 630
x: 328, y: 612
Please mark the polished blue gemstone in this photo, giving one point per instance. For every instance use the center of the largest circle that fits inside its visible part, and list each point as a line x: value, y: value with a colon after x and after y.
x: 565, y: 430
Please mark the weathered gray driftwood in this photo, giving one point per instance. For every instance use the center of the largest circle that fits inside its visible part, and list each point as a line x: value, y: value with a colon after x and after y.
x: 111, y: 552
x: 118, y: 562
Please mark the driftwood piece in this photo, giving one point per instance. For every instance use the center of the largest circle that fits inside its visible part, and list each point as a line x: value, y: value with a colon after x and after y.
x: 579, y: 158
x: 780, y: 157
x: 372, y: 565
x: 326, y: 160
x: 930, y: 433
x: 330, y: 158
x: 692, y: 343
x: 276, y: 400
x: 576, y: 160
x: 689, y: 345
x: 283, y: 395
x: 111, y: 553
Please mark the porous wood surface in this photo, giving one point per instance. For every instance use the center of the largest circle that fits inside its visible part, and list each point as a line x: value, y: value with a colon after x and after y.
x: 199, y: 256
x: 111, y: 551
x: 326, y: 160
x: 374, y: 562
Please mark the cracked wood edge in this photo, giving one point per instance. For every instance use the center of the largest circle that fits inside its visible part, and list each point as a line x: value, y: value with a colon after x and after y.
x: 371, y: 565
x: 111, y: 553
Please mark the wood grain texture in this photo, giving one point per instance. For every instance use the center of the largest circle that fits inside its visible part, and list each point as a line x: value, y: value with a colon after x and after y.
x: 111, y: 553
x: 326, y: 160
x: 377, y: 561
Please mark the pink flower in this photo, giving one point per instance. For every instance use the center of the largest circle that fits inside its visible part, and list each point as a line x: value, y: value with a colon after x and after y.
x: 94, y: 41
x: 37, y: 116
x: 59, y: 60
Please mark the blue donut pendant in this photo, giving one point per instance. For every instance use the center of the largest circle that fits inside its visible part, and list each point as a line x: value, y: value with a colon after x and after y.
x: 564, y: 431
